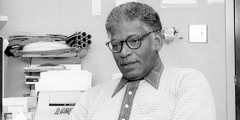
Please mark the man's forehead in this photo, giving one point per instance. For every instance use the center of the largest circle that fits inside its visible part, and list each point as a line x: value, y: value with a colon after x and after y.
x: 127, y: 29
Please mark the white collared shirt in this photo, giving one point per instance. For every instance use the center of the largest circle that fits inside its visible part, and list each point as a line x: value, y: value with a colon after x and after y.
x: 183, y: 94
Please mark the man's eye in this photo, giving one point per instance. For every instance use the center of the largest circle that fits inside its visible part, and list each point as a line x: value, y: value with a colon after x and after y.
x: 114, y: 45
x: 133, y: 40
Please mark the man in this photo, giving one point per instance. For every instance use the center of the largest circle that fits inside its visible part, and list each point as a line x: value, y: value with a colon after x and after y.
x: 147, y: 90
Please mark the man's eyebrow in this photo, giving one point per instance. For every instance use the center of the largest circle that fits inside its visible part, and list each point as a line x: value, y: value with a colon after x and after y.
x: 133, y: 35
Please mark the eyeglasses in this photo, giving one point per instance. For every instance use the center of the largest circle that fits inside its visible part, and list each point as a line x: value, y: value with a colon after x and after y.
x: 132, y: 43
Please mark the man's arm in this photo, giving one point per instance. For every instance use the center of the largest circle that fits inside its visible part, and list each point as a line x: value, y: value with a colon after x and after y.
x: 194, y: 99
x: 79, y: 112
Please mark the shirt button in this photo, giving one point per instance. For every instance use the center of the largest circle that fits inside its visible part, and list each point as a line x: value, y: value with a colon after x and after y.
x: 126, y: 106
x: 130, y: 92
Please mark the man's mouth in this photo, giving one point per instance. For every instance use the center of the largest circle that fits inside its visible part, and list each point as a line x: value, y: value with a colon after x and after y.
x: 127, y: 63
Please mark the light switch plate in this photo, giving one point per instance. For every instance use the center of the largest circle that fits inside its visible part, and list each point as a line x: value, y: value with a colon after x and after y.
x: 198, y: 33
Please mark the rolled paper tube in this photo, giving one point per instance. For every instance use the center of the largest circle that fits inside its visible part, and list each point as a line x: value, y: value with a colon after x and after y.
x: 84, y: 34
x: 74, y: 45
x: 79, y: 46
x: 70, y: 37
x: 76, y: 40
x: 73, y: 42
x: 79, y: 42
x: 84, y: 39
x: 87, y: 45
x: 79, y: 37
x: 89, y: 42
x: 70, y: 43
x: 89, y: 36
x: 84, y: 45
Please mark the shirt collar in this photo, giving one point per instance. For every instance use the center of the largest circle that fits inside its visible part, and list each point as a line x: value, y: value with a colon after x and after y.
x: 153, y: 77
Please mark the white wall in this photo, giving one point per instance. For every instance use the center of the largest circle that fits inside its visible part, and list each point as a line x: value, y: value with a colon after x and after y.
x: 68, y: 16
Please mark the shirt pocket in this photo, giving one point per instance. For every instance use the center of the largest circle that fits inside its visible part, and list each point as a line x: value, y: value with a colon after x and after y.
x: 155, y: 109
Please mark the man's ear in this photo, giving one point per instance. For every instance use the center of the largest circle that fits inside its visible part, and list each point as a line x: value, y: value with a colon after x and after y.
x: 158, y: 41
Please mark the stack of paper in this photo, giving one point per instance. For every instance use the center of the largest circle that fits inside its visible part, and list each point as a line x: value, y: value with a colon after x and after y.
x: 15, y: 108
x: 18, y: 42
x: 64, y: 80
x: 32, y: 73
x: 52, y: 45
x: 55, y: 60
x: 16, y: 104
x: 45, y: 68
x: 42, y: 65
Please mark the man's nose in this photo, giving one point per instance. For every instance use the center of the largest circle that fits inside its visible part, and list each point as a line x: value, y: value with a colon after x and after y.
x: 126, y: 51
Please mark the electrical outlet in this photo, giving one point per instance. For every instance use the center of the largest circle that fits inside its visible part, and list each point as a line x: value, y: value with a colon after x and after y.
x: 198, y: 33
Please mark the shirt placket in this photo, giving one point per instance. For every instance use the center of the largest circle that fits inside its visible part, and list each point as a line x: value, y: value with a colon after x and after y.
x: 128, y: 100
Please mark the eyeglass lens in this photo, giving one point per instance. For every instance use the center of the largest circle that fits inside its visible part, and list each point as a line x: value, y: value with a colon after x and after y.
x: 132, y: 43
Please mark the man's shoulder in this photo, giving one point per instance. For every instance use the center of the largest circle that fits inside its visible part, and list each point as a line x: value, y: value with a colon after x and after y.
x: 183, y: 79
x: 106, y: 86
x: 184, y: 75
x: 183, y: 71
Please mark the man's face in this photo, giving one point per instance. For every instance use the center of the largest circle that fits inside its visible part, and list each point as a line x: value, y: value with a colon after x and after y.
x: 134, y: 63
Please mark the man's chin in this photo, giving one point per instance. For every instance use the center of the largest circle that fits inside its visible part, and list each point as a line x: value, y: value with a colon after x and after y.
x: 132, y: 76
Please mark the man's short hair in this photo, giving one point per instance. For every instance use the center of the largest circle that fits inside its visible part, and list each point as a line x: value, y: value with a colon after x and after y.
x: 134, y: 11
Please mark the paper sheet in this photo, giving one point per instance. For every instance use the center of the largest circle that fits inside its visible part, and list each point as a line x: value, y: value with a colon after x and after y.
x: 96, y: 7
x: 19, y: 116
x: 179, y: 1
x: 3, y: 21
x: 5, y: 44
x: 15, y: 104
x: 64, y: 80
x: 119, y: 2
x: 64, y: 76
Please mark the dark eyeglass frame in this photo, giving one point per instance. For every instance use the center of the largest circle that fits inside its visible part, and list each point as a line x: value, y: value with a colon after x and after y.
x: 121, y: 42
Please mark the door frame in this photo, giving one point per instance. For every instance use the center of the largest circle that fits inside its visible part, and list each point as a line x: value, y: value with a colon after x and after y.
x: 230, y: 60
